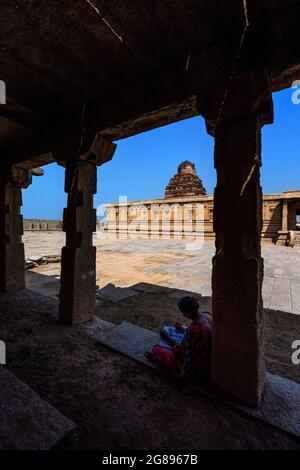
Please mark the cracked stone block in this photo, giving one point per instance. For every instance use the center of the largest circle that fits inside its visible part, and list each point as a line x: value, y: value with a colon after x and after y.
x: 26, y: 421
x: 131, y: 340
x: 98, y: 328
x: 115, y: 294
x: 151, y: 288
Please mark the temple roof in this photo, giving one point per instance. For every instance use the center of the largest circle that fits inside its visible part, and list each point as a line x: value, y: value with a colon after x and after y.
x: 185, y: 183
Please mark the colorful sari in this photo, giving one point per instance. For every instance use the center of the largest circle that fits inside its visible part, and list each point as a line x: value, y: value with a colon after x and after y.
x: 193, y: 355
x: 163, y: 353
x: 190, y: 358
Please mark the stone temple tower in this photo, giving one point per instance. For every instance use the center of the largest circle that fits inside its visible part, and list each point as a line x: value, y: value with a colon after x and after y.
x: 185, y: 183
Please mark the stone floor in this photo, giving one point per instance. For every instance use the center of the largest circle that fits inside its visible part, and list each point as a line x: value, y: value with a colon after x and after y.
x: 97, y: 388
x: 169, y: 263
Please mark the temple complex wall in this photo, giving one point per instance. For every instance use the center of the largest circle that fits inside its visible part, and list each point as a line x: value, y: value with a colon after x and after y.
x: 184, y: 217
x: 187, y: 216
x: 42, y: 225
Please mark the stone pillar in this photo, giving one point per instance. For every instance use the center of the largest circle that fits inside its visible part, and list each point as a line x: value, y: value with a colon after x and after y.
x: 78, y: 268
x: 237, y: 359
x: 12, y: 262
x: 237, y: 362
x: 285, y: 215
x: 283, y: 234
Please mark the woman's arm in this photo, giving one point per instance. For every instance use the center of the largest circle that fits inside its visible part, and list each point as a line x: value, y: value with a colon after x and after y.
x: 180, y: 328
x: 167, y: 338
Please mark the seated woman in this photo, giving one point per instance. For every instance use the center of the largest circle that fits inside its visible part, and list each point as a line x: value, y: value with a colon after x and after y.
x: 186, y: 350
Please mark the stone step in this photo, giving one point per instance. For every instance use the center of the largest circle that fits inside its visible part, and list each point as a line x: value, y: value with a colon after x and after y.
x: 26, y: 421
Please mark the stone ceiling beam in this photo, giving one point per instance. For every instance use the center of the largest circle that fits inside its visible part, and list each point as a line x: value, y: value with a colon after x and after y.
x: 167, y: 95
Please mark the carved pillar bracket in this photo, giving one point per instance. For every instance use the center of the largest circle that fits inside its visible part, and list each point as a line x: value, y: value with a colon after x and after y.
x: 78, y: 272
x: 100, y: 152
x: 235, y: 119
x: 12, y: 263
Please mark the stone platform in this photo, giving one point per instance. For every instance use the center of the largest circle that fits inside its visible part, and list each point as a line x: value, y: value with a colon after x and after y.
x: 280, y: 406
x: 26, y: 421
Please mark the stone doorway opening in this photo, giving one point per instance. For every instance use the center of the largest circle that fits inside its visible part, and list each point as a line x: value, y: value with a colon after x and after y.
x: 135, y: 227
x: 43, y: 237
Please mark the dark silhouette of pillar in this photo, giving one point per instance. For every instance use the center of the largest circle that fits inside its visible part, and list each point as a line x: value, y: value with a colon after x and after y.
x: 78, y: 274
x: 78, y: 270
x: 12, y: 262
x: 238, y: 365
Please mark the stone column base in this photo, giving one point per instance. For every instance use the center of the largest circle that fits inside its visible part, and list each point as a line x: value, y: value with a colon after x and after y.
x: 282, y: 239
x: 78, y: 285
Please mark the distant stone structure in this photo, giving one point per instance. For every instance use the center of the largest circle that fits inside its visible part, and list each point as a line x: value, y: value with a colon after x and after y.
x: 185, y: 183
x: 41, y: 225
x: 184, y: 196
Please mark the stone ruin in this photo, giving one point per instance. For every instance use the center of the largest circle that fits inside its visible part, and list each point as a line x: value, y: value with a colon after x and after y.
x: 220, y: 63
x: 185, y: 183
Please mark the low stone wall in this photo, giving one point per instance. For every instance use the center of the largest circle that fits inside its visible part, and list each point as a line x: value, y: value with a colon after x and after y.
x: 158, y: 218
x: 40, y: 225
x: 146, y: 219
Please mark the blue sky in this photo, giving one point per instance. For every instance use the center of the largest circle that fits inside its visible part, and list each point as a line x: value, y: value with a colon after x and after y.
x: 143, y: 164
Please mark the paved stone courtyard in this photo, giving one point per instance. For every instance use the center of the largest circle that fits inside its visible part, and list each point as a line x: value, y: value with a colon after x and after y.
x: 170, y: 263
